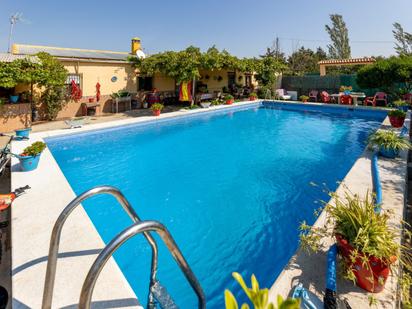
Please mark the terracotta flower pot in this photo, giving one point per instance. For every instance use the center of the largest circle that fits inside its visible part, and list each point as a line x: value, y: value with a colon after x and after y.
x: 156, y: 112
x: 305, y: 101
x: 396, y: 122
x: 229, y: 102
x: 375, y: 268
x: 252, y: 98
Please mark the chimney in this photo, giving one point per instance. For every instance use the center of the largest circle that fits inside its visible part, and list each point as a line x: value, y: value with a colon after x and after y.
x: 136, y: 45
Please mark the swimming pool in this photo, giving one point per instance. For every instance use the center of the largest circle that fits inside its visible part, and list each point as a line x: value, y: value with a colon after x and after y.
x: 231, y: 187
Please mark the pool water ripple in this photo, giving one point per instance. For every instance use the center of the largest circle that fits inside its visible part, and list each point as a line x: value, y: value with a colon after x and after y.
x: 232, y: 189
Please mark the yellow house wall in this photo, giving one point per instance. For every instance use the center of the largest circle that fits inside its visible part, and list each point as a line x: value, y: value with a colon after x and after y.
x: 93, y: 72
x: 163, y: 83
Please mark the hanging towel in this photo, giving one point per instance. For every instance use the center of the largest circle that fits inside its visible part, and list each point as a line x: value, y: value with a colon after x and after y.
x: 185, y: 93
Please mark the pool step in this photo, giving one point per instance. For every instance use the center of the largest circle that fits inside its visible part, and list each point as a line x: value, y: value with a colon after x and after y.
x: 156, y: 291
x: 163, y: 297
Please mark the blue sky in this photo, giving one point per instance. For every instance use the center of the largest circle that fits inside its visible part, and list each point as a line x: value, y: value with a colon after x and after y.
x: 243, y: 27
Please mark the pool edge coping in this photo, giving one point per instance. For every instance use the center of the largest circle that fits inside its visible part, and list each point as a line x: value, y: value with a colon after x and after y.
x: 287, y: 279
x: 48, y: 165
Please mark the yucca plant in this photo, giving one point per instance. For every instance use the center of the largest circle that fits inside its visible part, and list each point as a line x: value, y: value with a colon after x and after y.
x: 397, y: 113
x: 258, y: 297
x: 365, y: 240
x: 355, y: 219
x: 388, y: 139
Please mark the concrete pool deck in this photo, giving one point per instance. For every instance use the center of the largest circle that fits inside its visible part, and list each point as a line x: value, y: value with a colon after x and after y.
x: 33, y: 217
x: 310, y: 269
x: 34, y: 214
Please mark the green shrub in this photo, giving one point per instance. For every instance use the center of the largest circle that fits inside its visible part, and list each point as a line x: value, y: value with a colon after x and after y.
x: 228, y: 97
x: 398, y: 103
x: 216, y: 102
x: 253, y: 95
x: 34, y: 149
x: 304, y: 98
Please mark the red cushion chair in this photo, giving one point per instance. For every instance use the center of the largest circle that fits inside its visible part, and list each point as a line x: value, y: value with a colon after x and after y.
x: 379, y: 99
x: 324, y: 97
x: 407, y: 97
x: 346, y: 99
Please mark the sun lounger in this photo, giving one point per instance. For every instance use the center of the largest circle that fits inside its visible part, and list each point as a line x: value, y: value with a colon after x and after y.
x: 76, y: 122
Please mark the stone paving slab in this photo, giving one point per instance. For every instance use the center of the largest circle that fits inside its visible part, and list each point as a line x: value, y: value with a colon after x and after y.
x: 310, y: 269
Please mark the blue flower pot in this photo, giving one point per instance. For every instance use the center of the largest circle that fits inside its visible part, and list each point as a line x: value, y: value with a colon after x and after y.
x: 388, y: 153
x: 14, y: 98
x: 29, y: 163
x: 23, y: 132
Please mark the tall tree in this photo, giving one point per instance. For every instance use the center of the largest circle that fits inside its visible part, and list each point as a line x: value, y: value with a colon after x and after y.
x: 404, y: 40
x: 305, y: 60
x: 340, y: 48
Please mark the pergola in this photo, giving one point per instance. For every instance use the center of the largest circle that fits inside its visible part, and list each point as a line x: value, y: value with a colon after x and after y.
x: 342, y: 62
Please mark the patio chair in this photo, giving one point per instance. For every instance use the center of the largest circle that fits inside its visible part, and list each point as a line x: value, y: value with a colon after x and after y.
x: 379, y: 99
x: 282, y: 94
x: 346, y: 99
x: 313, y: 96
x: 76, y: 122
x: 407, y: 97
x: 325, y: 97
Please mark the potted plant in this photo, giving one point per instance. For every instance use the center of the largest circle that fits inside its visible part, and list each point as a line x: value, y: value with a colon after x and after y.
x: 258, y: 297
x: 345, y: 89
x: 29, y: 158
x: 23, y: 133
x: 253, y: 96
x: 157, y: 108
x: 304, y: 98
x: 14, y: 98
x: 229, y: 99
x: 397, y: 118
x: 401, y: 105
x: 365, y: 240
x: 388, y: 143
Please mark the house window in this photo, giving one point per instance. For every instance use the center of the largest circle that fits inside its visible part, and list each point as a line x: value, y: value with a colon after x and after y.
x: 145, y: 83
x: 77, y: 78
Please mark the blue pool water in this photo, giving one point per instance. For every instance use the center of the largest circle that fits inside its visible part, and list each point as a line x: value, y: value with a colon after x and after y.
x: 232, y: 189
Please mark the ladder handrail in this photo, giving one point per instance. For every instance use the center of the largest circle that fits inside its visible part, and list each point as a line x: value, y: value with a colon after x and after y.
x: 56, y: 234
x: 126, y: 234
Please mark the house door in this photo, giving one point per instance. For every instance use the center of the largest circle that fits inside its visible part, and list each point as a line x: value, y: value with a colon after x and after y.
x: 231, y: 79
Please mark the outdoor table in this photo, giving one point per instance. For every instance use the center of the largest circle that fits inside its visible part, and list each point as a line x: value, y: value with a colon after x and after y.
x: 355, y: 96
x: 126, y: 100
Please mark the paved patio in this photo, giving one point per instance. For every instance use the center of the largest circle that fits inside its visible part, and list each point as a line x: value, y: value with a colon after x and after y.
x: 60, y: 124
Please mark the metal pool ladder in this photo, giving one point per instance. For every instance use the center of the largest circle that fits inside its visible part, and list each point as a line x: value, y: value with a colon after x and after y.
x: 157, y: 293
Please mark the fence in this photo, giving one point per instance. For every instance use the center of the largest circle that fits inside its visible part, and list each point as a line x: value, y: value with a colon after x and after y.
x: 330, y: 83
